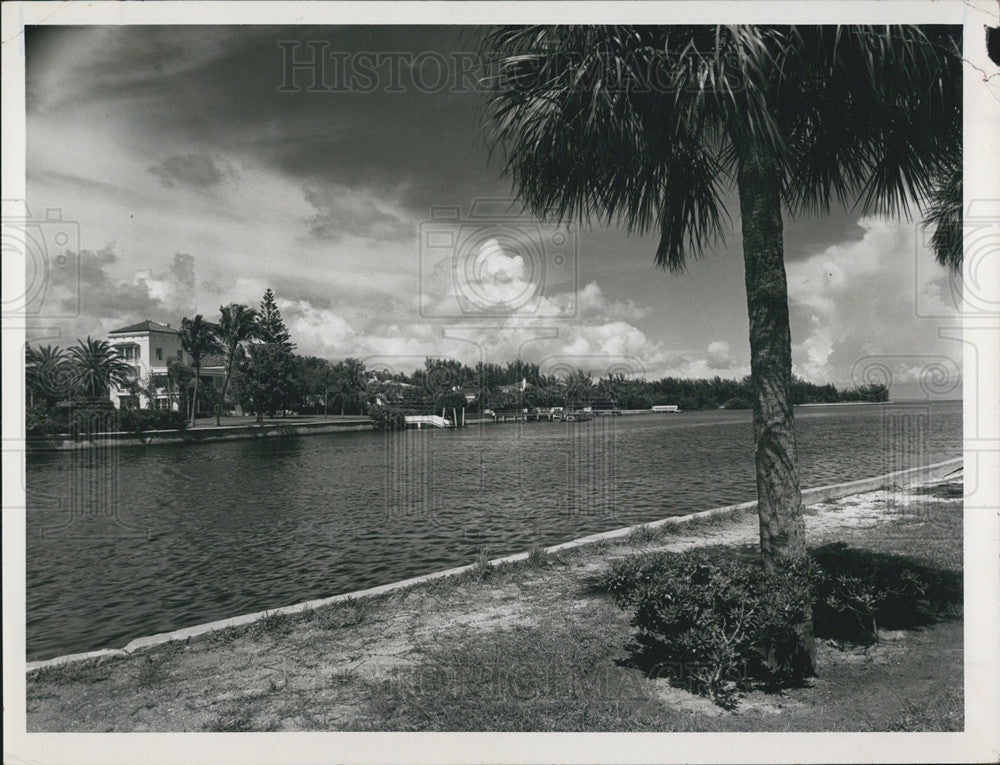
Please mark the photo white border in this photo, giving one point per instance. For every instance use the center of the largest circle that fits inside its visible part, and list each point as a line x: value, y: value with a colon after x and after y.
x: 979, y: 742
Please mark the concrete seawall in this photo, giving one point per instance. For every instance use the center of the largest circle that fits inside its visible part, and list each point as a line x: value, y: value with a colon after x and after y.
x: 887, y: 482
x: 202, y: 434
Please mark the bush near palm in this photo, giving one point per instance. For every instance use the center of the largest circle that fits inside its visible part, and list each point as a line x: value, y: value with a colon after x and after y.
x: 720, y: 622
x: 650, y: 126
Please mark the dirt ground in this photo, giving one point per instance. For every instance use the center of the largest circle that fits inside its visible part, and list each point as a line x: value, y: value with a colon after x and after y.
x: 511, y: 649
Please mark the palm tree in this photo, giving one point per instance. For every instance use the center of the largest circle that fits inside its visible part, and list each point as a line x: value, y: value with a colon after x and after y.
x: 649, y: 126
x: 178, y: 377
x: 47, y: 374
x: 199, y: 339
x: 237, y: 324
x: 96, y: 366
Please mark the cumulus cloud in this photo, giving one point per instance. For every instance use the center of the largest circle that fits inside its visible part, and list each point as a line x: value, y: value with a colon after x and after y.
x: 861, y: 300
x: 92, y: 294
x: 317, y: 331
x: 198, y: 171
x: 718, y: 355
x: 494, y: 278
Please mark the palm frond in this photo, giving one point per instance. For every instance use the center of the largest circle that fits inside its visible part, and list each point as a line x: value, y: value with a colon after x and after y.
x: 944, y: 213
x: 612, y: 124
x: 645, y: 126
x: 871, y: 115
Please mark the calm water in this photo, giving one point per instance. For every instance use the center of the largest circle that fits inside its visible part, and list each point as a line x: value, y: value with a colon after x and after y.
x: 129, y: 542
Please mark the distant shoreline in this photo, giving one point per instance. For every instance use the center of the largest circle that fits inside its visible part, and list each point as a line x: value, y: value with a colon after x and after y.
x: 848, y: 403
x: 890, y: 402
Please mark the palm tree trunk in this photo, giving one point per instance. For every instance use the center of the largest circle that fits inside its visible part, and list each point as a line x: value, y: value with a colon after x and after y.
x: 779, y: 497
x: 194, y: 400
x: 225, y: 385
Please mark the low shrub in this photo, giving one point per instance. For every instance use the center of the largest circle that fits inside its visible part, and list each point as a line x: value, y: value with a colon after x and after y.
x: 83, y: 418
x: 384, y: 418
x: 39, y: 422
x: 719, y: 622
x: 73, y: 418
x: 629, y: 577
x: 140, y: 420
x: 723, y: 622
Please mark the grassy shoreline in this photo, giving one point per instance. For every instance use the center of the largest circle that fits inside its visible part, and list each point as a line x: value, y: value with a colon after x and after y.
x: 532, y: 645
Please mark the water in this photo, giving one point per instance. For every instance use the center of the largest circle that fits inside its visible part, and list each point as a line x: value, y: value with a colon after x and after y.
x: 130, y: 542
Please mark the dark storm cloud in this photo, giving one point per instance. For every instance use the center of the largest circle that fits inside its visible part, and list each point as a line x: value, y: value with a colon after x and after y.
x: 217, y: 92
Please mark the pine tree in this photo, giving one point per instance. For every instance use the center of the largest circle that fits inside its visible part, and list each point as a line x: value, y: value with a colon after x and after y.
x: 272, y: 326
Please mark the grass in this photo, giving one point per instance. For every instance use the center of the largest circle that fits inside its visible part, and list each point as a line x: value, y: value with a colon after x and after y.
x: 537, y: 556
x: 482, y: 569
x: 149, y: 671
x: 346, y: 613
x: 524, y: 679
x: 274, y: 624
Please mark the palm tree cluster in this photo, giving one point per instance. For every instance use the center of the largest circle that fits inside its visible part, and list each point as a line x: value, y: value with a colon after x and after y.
x: 84, y: 371
x: 650, y: 127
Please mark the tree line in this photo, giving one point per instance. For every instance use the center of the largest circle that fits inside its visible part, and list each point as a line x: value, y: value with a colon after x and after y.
x: 264, y: 375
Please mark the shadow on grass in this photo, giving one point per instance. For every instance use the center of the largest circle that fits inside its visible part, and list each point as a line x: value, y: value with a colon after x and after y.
x: 863, y: 591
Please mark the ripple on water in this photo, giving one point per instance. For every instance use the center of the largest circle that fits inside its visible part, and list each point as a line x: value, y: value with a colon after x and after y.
x: 209, y: 531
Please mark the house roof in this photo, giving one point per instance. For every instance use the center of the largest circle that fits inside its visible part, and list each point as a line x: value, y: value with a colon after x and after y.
x: 143, y: 326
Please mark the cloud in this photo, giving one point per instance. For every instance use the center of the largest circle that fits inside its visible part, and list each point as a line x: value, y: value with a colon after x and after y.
x: 603, y: 339
x: 859, y: 300
x: 199, y: 171
x: 718, y: 355
x: 95, y: 297
x: 317, y: 331
x: 342, y: 212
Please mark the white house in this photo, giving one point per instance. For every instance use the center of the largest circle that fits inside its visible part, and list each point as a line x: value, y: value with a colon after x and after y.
x: 148, y: 347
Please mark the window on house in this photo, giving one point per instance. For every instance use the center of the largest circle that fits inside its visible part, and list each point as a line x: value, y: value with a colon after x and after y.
x: 128, y: 352
x: 180, y: 355
x: 159, y: 354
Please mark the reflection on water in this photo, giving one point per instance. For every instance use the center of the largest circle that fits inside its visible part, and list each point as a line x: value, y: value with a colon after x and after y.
x: 129, y: 542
